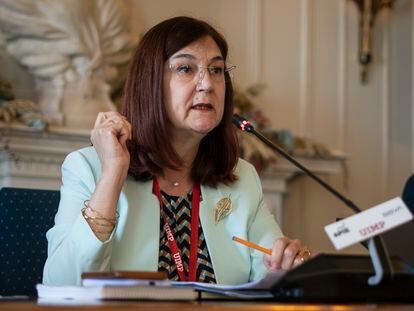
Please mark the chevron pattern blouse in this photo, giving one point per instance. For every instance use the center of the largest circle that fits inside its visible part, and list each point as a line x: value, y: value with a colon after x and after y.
x: 178, y: 212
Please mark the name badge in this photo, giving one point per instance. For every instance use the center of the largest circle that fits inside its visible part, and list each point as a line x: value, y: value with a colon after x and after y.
x: 368, y: 223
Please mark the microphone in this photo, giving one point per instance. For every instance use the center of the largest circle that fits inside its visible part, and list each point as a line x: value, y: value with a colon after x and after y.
x: 379, y: 255
x: 245, y: 125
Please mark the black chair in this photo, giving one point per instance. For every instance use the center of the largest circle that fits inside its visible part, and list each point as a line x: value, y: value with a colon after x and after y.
x: 408, y: 193
x: 25, y: 217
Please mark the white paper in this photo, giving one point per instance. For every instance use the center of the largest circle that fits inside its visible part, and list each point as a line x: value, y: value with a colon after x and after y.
x: 268, y: 281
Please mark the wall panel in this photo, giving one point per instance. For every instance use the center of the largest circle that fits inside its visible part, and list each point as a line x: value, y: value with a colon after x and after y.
x: 281, y: 72
x: 305, y: 51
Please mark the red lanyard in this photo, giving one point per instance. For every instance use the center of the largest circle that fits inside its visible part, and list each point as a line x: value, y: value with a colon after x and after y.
x: 175, y: 252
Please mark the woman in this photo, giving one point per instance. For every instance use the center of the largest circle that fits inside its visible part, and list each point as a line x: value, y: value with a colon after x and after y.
x: 173, y: 154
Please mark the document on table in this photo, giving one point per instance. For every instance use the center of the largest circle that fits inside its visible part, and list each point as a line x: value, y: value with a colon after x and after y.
x: 95, y: 289
x: 259, y: 289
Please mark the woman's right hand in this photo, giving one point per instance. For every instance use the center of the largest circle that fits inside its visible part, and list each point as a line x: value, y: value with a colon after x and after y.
x: 109, y: 137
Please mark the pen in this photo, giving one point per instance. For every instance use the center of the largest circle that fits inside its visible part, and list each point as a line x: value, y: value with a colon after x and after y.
x: 252, y: 245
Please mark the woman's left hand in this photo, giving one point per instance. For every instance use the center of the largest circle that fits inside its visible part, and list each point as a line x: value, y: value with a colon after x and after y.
x: 286, y: 254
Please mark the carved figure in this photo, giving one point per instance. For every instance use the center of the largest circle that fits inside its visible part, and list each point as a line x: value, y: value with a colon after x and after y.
x: 23, y: 111
x: 75, y: 49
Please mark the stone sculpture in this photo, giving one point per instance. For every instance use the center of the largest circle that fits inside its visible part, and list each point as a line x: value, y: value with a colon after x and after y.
x: 76, y: 50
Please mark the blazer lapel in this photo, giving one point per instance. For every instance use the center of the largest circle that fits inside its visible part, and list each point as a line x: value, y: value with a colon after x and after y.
x: 218, y: 236
x: 140, y: 223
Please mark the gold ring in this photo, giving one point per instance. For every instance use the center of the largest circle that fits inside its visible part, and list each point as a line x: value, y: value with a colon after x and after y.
x: 304, y: 254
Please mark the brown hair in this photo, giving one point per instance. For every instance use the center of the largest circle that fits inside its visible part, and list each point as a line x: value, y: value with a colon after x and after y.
x: 143, y: 106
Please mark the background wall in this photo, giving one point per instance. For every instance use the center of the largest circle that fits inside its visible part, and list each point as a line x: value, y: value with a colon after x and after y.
x: 305, y: 51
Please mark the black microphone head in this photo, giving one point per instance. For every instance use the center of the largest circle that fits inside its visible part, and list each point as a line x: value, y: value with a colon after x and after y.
x: 242, y: 123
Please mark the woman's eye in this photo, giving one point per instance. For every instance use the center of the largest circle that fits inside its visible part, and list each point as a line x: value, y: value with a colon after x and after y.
x: 216, y: 70
x: 184, y: 69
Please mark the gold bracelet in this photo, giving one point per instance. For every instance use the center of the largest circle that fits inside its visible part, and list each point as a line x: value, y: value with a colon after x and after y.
x: 98, y: 220
x: 86, y: 204
x: 98, y: 228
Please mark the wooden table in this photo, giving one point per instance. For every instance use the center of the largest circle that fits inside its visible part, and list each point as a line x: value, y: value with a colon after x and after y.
x: 205, y: 305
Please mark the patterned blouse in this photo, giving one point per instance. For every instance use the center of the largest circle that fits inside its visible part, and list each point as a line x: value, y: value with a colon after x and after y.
x: 177, y: 210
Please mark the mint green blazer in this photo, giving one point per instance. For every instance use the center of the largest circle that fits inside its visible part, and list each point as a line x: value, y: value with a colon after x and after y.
x: 134, y: 244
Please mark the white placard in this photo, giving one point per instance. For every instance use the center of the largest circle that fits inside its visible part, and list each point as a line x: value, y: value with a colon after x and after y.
x: 368, y: 223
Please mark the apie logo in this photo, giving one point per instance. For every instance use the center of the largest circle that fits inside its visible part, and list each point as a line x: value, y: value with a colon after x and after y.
x: 342, y: 229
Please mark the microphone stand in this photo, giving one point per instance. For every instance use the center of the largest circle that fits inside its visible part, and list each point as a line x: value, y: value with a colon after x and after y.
x: 377, y: 249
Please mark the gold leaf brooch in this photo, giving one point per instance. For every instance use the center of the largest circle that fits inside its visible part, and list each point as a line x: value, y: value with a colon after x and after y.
x: 222, y: 209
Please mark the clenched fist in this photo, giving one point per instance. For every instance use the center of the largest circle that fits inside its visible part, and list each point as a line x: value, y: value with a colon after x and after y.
x: 109, y: 137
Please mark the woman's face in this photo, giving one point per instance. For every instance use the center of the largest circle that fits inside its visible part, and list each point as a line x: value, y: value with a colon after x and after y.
x: 194, y: 88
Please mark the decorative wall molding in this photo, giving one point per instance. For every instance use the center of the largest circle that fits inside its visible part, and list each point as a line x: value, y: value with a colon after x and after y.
x: 38, y: 156
x: 304, y: 66
x: 342, y: 73
x: 254, y: 40
x: 385, y: 102
x: 275, y: 180
x: 412, y: 87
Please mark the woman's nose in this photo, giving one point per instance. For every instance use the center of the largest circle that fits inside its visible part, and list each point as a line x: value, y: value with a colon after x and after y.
x: 204, y: 81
